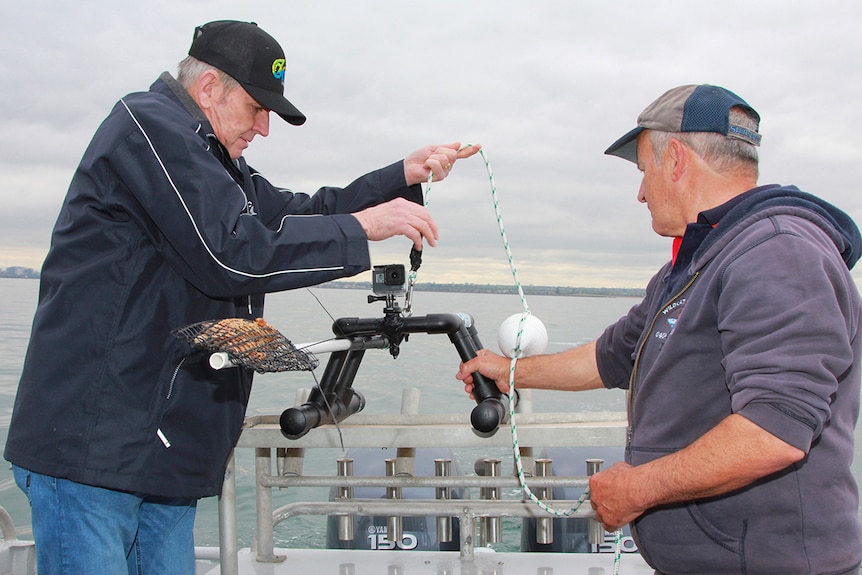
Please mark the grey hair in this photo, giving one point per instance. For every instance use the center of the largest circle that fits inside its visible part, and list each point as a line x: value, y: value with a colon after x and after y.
x: 191, y: 69
x: 722, y: 154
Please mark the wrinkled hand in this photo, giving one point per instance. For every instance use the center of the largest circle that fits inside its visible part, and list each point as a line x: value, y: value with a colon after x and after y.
x: 436, y: 160
x: 490, y: 365
x: 613, y: 496
x: 398, y: 217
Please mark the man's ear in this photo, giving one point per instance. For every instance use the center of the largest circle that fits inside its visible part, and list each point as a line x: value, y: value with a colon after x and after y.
x: 207, y: 89
x: 678, y: 154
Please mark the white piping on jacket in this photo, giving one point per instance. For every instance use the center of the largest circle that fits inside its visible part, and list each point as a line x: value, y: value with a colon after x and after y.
x: 195, y: 225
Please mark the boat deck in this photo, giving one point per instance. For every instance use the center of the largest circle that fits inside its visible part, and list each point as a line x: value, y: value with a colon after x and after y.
x: 484, y: 562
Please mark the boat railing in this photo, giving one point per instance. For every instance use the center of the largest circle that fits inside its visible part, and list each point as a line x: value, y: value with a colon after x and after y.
x: 17, y: 557
x: 404, y: 433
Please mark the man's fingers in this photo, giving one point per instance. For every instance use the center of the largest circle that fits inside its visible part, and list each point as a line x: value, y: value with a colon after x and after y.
x: 468, y: 150
x: 398, y: 217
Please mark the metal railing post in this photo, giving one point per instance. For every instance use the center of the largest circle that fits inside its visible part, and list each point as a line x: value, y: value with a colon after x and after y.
x: 596, y: 533
x: 492, y: 526
x: 443, y: 468
x: 227, y: 526
x: 263, y: 503
x: 345, y: 522
x: 393, y: 522
x: 544, y: 525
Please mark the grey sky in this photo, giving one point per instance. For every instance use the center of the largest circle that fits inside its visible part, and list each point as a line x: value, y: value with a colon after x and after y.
x: 544, y: 86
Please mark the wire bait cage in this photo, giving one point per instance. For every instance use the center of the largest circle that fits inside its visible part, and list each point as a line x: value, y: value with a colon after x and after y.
x: 250, y: 343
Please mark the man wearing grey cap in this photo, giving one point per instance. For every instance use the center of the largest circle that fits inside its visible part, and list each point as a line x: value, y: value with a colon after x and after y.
x: 742, y: 362
x: 119, y: 427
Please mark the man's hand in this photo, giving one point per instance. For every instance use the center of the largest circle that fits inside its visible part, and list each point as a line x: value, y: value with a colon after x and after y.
x: 436, y: 160
x: 398, y: 217
x: 490, y: 365
x: 613, y: 496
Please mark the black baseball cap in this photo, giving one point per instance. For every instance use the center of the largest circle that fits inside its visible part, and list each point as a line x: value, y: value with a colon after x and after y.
x: 251, y: 57
x: 690, y: 108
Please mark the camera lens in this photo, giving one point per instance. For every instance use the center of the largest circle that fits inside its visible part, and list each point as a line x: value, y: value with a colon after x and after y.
x: 395, y: 275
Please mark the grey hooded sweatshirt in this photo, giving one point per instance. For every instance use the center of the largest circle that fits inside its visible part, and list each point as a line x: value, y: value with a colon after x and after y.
x: 764, y: 323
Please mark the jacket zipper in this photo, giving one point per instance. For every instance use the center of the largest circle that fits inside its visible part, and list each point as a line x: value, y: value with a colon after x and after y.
x: 633, y: 378
x: 161, y: 435
x: 174, y: 378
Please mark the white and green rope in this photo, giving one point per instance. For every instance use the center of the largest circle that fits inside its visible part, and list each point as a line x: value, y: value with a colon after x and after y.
x: 515, y: 356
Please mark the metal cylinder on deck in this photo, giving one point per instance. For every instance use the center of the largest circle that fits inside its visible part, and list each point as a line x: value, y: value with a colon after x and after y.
x: 393, y: 523
x: 492, y: 527
x: 289, y: 461
x: 443, y: 468
x: 544, y: 525
x: 345, y: 522
x: 596, y: 533
x: 527, y: 462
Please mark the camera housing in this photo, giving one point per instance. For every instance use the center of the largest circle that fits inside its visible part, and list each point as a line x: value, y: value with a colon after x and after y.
x: 388, y: 279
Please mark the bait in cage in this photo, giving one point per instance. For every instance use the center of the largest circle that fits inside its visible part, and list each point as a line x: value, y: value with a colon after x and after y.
x: 250, y: 343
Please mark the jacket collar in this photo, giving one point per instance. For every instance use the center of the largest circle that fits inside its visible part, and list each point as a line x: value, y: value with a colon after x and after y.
x: 170, y: 87
x: 174, y: 88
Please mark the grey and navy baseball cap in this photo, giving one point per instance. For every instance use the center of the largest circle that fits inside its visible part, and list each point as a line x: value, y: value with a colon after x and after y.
x: 251, y: 57
x: 690, y: 108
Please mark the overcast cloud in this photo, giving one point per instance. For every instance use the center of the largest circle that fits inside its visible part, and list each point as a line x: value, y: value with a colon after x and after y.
x: 544, y: 86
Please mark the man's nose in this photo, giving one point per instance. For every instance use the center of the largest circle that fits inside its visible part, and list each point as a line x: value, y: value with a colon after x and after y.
x: 261, y: 123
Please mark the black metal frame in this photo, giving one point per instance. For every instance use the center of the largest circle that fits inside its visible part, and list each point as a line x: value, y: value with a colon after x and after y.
x: 335, y: 399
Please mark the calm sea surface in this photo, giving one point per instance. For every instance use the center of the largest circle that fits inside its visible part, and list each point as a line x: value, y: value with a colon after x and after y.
x: 428, y: 362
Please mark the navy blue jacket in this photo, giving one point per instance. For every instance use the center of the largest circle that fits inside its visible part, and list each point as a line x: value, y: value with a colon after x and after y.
x: 160, y: 230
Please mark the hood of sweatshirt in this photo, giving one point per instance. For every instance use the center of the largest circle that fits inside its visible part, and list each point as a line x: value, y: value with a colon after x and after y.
x: 777, y: 199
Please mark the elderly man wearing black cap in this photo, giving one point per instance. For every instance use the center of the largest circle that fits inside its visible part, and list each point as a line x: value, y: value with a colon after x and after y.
x: 742, y: 362
x: 119, y: 427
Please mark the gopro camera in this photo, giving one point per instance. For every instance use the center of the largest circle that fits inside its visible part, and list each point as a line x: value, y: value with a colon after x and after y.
x: 388, y: 279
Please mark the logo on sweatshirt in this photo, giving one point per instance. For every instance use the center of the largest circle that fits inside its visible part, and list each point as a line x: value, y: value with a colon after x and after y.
x: 668, y: 320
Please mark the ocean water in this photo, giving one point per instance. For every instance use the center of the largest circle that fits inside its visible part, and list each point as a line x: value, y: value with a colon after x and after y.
x: 427, y: 362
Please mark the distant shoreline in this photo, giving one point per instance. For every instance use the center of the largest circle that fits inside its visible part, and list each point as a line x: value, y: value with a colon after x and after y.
x: 28, y: 273
x: 19, y: 273
x: 502, y: 289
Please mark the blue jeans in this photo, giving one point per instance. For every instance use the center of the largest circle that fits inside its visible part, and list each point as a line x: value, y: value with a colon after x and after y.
x: 82, y: 529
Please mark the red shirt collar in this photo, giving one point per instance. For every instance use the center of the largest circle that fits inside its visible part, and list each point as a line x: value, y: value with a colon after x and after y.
x: 677, y: 242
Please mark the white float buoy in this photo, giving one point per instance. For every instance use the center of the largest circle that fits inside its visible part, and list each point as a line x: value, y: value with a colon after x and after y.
x: 534, y: 338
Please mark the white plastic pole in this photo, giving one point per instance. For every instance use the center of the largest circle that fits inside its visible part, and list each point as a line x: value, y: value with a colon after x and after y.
x: 221, y: 360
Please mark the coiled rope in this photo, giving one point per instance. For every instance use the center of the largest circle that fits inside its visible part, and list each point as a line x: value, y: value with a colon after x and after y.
x: 515, y: 356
